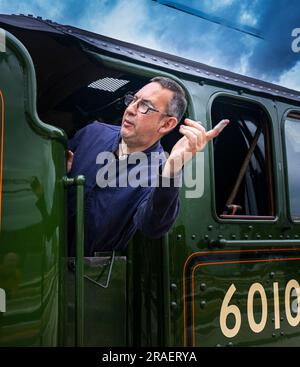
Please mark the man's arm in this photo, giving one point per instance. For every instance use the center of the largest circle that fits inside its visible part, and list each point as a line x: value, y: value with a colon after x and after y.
x: 158, y: 212
x: 72, y: 146
x: 194, y: 140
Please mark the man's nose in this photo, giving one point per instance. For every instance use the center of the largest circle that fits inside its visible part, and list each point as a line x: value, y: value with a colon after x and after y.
x: 132, y: 108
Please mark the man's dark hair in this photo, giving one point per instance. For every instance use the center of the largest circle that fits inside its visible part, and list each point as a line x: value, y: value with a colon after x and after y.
x: 178, y: 103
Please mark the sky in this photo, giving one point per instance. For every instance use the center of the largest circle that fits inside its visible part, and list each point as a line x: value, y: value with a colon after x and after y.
x: 151, y: 24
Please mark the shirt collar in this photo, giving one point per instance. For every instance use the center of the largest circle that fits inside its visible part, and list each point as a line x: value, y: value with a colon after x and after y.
x: 153, y: 148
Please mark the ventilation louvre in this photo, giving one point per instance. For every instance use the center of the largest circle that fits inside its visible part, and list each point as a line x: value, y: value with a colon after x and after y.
x: 108, y: 84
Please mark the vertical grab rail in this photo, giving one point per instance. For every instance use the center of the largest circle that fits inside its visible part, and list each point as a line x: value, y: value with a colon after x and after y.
x: 79, y: 181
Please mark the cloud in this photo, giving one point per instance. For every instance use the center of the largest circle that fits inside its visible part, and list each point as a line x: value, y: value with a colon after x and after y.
x: 274, y: 54
x: 248, y: 19
x: 122, y: 22
x: 152, y: 25
x: 291, y: 78
x: 34, y: 7
x: 216, y: 5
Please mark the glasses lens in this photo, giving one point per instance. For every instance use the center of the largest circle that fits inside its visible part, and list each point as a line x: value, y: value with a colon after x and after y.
x: 128, y: 99
x: 143, y: 107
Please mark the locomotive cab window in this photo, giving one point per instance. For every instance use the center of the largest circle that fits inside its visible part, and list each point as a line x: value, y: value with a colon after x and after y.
x: 292, y: 142
x: 244, y: 186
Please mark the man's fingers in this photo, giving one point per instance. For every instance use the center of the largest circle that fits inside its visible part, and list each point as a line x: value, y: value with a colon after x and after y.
x: 199, y: 134
x: 191, y: 136
x: 221, y: 125
x: 196, y: 124
x: 70, y: 157
x: 213, y: 133
x: 195, y: 138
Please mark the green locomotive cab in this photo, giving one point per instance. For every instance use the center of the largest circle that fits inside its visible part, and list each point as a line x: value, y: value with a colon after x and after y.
x: 227, y: 273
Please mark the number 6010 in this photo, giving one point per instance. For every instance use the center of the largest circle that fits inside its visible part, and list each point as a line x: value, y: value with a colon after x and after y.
x: 255, y: 326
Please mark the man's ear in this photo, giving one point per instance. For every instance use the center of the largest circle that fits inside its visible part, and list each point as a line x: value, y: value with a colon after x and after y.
x: 169, y: 123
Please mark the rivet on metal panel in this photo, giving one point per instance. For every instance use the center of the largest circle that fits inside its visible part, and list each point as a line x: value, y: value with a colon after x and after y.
x: 272, y: 274
x: 104, y: 44
x: 173, y: 305
x: 233, y: 236
x: 142, y: 55
x: 166, y: 62
x: 210, y: 227
x: 117, y: 48
x: 221, y: 243
x: 212, y: 244
x: 193, y: 236
x: 179, y: 236
x: 274, y: 335
x: 154, y: 58
x: 230, y: 344
x: 270, y: 236
x: 287, y: 236
x: 258, y: 236
x: 173, y: 287
x: 206, y: 237
x: 246, y: 236
x: 202, y: 286
x: 202, y: 304
x: 250, y: 228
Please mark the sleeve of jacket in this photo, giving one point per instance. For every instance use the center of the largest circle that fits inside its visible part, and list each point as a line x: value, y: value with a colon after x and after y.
x: 159, y: 209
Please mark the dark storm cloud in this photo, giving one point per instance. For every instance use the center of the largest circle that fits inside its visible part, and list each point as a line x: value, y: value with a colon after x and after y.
x: 274, y: 56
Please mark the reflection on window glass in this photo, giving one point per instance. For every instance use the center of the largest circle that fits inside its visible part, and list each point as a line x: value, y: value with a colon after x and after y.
x: 292, y: 138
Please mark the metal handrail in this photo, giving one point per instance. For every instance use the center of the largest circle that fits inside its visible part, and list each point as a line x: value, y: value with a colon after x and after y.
x: 79, y: 181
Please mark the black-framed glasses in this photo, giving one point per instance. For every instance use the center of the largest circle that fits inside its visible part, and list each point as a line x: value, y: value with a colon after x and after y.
x: 142, y: 106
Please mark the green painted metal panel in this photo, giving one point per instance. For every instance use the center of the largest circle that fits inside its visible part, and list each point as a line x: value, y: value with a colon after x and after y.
x: 104, y: 301
x: 32, y: 223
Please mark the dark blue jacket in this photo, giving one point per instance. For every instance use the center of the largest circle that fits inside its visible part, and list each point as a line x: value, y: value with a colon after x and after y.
x: 113, y: 214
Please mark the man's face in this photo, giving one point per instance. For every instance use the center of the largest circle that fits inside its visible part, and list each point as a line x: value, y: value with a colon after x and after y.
x: 140, y: 130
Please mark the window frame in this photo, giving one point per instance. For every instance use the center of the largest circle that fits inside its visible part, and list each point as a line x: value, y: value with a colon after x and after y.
x: 245, y: 218
x: 285, y: 162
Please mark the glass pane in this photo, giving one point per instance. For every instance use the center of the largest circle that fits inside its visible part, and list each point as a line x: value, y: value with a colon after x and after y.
x: 292, y: 137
